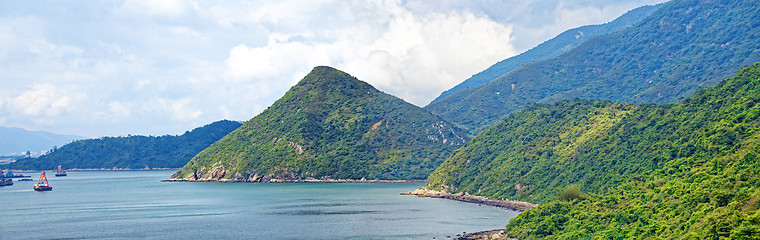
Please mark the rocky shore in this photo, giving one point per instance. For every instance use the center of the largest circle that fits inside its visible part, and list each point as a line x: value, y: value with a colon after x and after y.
x: 486, y: 235
x: 464, y: 197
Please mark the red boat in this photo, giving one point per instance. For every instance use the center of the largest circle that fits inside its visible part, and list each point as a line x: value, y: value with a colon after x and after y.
x: 42, y: 184
x: 4, y: 181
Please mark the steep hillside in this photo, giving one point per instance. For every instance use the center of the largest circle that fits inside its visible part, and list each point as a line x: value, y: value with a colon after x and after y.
x: 135, y: 152
x: 14, y: 141
x: 554, y: 47
x: 330, y: 125
x: 684, y: 46
x: 614, y: 170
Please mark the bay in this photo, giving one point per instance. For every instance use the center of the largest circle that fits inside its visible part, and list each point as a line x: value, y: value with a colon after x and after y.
x: 136, y: 204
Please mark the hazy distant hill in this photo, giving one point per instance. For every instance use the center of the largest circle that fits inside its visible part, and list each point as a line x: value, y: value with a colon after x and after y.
x: 16, y: 140
x: 560, y: 44
x: 330, y: 125
x: 684, y: 46
x: 619, y: 171
x: 135, y: 152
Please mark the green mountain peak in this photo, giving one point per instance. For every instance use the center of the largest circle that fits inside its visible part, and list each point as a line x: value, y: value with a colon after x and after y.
x: 330, y: 125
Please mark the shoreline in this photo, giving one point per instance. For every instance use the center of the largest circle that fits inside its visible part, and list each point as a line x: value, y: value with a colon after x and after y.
x: 299, y: 181
x: 464, y: 197
x: 98, y: 169
x: 486, y: 235
x: 120, y: 169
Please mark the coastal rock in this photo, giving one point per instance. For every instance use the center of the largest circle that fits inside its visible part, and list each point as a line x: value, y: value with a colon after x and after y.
x: 465, y: 197
x: 255, y: 178
x: 486, y: 235
x: 216, y: 173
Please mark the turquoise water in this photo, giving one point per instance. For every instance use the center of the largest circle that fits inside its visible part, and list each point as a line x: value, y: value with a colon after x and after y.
x: 136, y: 204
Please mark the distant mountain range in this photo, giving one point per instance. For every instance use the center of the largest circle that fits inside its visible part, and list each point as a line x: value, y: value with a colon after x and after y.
x: 612, y: 169
x: 682, y: 47
x: 17, y: 141
x: 330, y: 125
x: 554, y: 47
x: 678, y: 157
x: 132, y: 152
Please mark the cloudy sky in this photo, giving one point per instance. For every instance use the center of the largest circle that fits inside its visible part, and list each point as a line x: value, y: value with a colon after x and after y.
x: 112, y: 68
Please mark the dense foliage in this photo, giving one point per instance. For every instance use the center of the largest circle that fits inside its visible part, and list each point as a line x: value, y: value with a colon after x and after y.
x: 132, y: 152
x: 330, y: 125
x: 688, y: 170
x: 554, y: 47
x: 684, y: 46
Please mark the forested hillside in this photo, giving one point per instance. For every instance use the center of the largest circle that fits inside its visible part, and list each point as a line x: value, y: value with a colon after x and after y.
x: 330, y: 125
x: 133, y: 152
x: 554, y: 47
x: 684, y: 46
x: 612, y: 170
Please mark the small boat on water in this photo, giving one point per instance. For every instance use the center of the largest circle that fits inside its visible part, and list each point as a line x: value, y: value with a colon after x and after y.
x: 60, y: 173
x: 42, y: 184
x: 25, y: 179
x: 10, y: 174
x: 5, y: 181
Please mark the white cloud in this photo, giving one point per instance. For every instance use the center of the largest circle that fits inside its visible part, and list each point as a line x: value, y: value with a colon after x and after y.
x: 163, y: 67
x: 184, y: 31
x: 42, y: 100
x: 180, y: 109
x: 170, y: 8
x: 120, y: 109
x: 413, y: 57
x: 443, y: 49
x: 8, y: 38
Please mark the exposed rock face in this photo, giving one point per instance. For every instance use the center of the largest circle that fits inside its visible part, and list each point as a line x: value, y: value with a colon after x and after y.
x: 486, y: 235
x: 465, y: 197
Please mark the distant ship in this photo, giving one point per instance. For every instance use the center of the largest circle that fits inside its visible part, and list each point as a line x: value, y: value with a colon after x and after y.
x: 5, y: 181
x: 60, y: 173
x: 11, y: 175
x: 42, y: 184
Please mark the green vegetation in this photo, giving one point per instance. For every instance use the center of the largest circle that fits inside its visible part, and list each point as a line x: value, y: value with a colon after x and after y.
x: 134, y: 152
x: 687, y: 170
x: 330, y: 125
x: 554, y: 47
x: 572, y: 192
x: 684, y: 46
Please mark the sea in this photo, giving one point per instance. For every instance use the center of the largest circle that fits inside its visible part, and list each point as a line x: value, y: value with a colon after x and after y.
x: 137, y: 205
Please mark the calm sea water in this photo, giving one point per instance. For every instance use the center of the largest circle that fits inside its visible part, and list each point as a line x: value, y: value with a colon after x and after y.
x: 135, y: 204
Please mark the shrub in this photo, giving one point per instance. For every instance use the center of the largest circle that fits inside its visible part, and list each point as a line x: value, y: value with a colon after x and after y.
x: 571, y: 193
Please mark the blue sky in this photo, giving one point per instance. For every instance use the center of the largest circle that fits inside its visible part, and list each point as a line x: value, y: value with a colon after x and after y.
x: 112, y: 68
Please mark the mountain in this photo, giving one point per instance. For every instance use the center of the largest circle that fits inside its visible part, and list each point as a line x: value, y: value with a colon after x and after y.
x: 330, y: 125
x: 132, y: 152
x: 554, y: 47
x: 15, y: 141
x: 684, y: 46
x: 615, y: 170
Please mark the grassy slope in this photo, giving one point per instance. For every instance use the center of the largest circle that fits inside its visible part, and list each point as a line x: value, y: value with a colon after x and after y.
x: 670, y: 171
x: 332, y: 125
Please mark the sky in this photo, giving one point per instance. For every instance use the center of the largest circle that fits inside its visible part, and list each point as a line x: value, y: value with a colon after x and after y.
x: 147, y: 67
